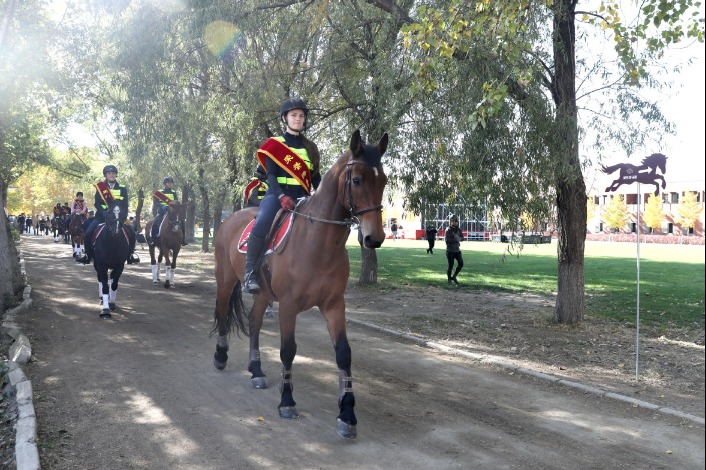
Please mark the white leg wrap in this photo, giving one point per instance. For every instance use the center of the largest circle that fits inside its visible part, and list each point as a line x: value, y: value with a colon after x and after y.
x: 168, y: 273
x: 105, y: 301
x: 155, y: 272
x: 112, y: 295
x: 100, y: 290
x: 171, y: 275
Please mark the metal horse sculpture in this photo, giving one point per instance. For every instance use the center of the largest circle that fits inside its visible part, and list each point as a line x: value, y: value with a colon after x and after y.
x: 170, y: 238
x: 76, y: 232
x: 311, y: 271
x: 111, y: 249
x: 645, y: 173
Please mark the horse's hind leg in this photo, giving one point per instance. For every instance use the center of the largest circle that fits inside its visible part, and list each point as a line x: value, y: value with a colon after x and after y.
x: 346, y: 422
x: 288, y: 349
x: 257, y: 313
x: 105, y: 292
x: 168, y: 270
x: 226, y: 285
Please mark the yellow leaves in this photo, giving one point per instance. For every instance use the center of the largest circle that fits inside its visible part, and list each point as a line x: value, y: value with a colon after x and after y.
x: 261, y: 418
x: 668, y: 452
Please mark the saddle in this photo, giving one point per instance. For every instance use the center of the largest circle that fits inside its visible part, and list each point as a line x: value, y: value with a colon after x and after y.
x: 275, y: 239
x: 100, y: 228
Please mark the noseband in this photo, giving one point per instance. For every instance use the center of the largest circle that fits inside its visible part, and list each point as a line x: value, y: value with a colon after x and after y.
x: 348, y: 182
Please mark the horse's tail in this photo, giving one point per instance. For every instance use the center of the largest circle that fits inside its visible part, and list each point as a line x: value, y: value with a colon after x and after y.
x: 235, y: 319
x: 610, y: 169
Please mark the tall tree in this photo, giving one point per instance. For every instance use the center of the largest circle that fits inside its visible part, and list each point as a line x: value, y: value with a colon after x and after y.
x: 689, y: 210
x: 654, y: 215
x: 526, y: 58
x: 616, y: 213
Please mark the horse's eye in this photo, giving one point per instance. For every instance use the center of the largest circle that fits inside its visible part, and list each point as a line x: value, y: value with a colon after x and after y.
x: 356, y: 180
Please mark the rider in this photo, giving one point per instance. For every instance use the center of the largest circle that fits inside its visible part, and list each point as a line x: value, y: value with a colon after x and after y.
x: 56, y: 210
x: 79, y: 206
x: 162, y: 200
x: 256, y: 189
x: 291, y: 163
x: 119, y: 193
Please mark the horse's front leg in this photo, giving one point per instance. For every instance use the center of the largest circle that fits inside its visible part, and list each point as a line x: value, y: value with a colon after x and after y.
x: 257, y: 313
x: 114, y: 276
x: 288, y: 349
x: 104, y: 289
x: 346, y: 422
x: 168, y: 270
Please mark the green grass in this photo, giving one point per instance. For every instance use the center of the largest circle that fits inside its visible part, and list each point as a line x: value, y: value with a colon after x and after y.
x: 671, y: 276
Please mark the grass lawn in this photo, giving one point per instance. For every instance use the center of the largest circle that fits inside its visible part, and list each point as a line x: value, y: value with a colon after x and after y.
x: 671, y: 276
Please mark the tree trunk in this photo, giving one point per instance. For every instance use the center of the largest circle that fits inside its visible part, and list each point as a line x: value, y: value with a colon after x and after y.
x: 218, y: 211
x: 190, y: 207
x: 205, y: 215
x: 138, y: 209
x: 369, y: 264
x: 571, y: 188
x: 10, y: 275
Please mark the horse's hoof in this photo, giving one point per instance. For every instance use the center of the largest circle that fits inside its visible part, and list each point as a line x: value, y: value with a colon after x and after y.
x: 218, y: 364
x: 112, y: 306
x: 345, y: 430
x: 156, y: 282
x: 105, y: 314
x: 166, y: 285
x: 288, y: 412
x: 259, y: 382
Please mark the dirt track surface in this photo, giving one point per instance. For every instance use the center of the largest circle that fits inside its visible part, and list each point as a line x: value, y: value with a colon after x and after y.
x: 140, y: 392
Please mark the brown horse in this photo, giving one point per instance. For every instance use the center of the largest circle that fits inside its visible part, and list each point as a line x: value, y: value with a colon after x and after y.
x: 76, y: 232
x: 169, y: 243
x: 310, y: 271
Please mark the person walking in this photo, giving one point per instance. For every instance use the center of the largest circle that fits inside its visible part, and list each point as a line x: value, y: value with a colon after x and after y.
x: 393, y: 229
x: 291, y: 163
x: 453, y: 238
x: 430, y: 235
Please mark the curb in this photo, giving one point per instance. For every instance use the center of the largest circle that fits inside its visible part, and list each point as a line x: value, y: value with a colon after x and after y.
x: 491, y: 360
x: 26, y: 452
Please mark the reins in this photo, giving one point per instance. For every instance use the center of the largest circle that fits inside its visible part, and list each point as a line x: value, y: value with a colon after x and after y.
x: 351, y: 205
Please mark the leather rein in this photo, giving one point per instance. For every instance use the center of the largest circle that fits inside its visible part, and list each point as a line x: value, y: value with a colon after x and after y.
x: 351, y: 205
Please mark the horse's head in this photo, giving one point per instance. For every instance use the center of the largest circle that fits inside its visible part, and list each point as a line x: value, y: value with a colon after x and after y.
x: 114, y: 218
x: 361, y: 186
x: 656, y: 161
x: 176, y: 215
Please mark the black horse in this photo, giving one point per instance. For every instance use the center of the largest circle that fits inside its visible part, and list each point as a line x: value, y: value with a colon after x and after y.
x: 111, y: 247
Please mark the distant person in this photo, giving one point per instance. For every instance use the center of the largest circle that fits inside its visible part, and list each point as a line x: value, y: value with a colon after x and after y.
x: 160, y: 206
x: 430, y: 235
x: 453, y: 238
x: 393, y: 229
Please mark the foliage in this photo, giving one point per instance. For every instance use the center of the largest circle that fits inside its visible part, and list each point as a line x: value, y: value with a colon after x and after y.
x: 654, y: 215
x: 689, y: 209
x: 616, y: 213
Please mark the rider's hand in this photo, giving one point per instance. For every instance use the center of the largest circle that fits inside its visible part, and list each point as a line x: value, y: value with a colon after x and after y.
x: 286, y: 202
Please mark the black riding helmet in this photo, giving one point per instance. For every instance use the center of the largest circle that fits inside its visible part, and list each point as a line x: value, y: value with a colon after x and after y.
x: 110, y: 168
x: 290, y: 104
x: 79, y: 194
x: 453, y: 218
x: 168, y: 179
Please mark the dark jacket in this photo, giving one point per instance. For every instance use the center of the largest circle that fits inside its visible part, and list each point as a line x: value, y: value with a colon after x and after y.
x: 431, y: 232
x: 453, y: 239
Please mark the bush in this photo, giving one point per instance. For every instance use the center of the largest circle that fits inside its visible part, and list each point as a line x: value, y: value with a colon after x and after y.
x: 669, y: 239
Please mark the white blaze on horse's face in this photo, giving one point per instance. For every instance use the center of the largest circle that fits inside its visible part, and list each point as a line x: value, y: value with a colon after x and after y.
x: 116, y: 211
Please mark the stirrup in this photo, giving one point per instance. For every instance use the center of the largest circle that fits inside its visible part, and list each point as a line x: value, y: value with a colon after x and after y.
x: 133, y: 259
x: 251, y: 286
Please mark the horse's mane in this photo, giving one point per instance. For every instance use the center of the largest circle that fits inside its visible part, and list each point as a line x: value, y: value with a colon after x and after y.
x: 654, y: 159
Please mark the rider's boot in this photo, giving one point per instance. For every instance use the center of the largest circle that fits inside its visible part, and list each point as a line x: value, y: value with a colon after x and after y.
x: 133, y: 258
x: 251, y: 284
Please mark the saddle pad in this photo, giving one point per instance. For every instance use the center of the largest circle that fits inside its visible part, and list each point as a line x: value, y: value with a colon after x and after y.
x: 274, y: 242
x: 100, y: 229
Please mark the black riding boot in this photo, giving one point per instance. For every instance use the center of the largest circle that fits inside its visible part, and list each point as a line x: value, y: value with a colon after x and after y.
x: 183, y: 236
x: 251, y: 284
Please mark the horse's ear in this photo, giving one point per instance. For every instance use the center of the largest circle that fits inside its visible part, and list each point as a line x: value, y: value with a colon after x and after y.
x: 356, y: 142
x: 382, y: 145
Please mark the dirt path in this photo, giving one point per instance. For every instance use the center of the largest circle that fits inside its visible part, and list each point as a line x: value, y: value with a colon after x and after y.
x: 140, y: 391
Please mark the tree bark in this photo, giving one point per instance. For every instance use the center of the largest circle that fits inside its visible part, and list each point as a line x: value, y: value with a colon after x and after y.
x: 205, y: 213
x: 369, y: 264
x: 218, y: 211
x: 10, y: 275
x: 571, y: 187
x: 190, y: 206
x: 138, y: 209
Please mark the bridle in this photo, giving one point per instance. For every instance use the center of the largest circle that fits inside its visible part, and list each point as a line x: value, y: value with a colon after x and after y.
x: 351, y: 205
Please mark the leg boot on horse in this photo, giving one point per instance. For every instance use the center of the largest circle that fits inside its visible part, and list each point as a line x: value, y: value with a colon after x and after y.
x: 132, y: 258
x: 255, y: 247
